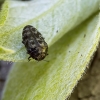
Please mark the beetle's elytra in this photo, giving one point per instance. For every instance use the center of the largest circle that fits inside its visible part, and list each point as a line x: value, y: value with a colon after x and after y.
x: 35, y: 44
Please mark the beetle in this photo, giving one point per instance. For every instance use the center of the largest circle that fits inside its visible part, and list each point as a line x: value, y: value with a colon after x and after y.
x: 34, y: 43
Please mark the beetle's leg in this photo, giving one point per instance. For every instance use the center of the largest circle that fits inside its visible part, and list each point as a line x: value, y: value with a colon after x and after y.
x: 47, y: 54
x: 29, y: 58
x: 23, y: 42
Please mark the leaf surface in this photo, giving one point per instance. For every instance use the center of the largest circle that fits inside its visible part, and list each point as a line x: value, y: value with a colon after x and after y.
x: 69, y: 54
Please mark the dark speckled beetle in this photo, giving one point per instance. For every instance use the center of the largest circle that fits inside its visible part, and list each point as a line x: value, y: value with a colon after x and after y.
x: 35, y: 44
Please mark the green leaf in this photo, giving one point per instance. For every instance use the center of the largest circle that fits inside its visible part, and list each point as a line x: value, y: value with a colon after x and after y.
x: 69, y: 54
x: 47, y: 16
x: 55, y: 80
x: 4, y: 13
